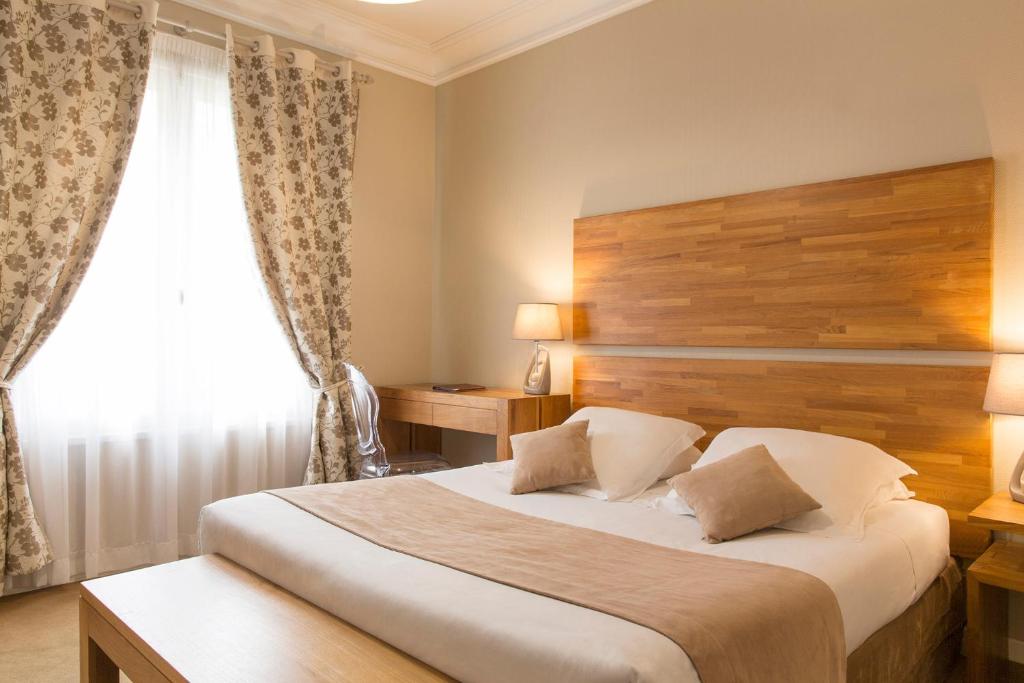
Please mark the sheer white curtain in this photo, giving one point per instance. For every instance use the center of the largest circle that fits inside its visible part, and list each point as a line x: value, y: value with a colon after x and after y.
x: 168, y: 384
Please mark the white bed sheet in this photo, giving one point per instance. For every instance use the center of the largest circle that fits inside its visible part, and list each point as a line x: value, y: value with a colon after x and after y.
x: 478, y: 630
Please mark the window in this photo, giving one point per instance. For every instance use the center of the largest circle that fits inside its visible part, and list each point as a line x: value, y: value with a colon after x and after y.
x: 168, y: 383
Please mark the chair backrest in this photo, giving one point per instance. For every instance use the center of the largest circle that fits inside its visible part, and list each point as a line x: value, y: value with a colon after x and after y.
x: 366, y: 410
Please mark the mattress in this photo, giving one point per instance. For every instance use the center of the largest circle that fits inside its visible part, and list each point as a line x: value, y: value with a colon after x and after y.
x: 478, y: 630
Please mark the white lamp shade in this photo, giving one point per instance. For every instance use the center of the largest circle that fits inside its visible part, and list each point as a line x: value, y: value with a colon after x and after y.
x: 1005, y: 392
x: 537, y: 322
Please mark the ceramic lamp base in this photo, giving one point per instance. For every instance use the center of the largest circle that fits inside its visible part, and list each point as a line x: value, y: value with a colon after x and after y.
x: 538, y: 374
x: 1016, y: 491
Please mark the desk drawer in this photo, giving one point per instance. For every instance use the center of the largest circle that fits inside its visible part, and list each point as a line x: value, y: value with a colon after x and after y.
x: 406, y: 411
x: 467, y: 419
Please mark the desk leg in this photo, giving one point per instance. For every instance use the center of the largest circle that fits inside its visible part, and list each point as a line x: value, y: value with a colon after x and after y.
x: 503, y: 447
x: 95, y: 665
x: 515, y: 416
x: 554, y: 410
x: 519, y: 415
x: 987, y: 647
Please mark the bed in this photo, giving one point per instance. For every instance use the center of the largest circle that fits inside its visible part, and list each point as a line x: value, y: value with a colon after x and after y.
x: 477, y: 630
x: 896, y: 261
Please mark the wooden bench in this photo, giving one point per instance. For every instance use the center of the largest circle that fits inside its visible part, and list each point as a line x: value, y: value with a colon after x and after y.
x: 208, y: 619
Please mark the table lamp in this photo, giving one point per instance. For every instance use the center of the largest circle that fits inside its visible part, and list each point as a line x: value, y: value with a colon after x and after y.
x: 1005, y: 396
x: 538, y: 322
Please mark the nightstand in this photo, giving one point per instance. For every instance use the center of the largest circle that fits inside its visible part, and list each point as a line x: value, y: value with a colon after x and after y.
x: 989, y: 580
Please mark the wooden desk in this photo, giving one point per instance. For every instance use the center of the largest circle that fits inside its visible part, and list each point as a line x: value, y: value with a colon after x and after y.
x: 208, y: 619
x: 996, y: 573
x: 502, y: 412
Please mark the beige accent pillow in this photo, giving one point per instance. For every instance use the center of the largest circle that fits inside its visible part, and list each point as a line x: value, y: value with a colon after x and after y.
x: 741, y: 493
x: 845, y: 475
x: 551, y: 457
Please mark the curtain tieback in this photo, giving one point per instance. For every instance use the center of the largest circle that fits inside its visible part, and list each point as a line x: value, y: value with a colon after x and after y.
x: 6, y: 385
x: 322, y: 390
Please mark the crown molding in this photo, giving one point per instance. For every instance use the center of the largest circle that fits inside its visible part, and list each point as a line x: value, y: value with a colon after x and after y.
x: 492, y: 21
x: 519, y: 27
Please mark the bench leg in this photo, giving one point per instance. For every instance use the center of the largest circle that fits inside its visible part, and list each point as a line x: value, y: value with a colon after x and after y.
x: 95, y: 665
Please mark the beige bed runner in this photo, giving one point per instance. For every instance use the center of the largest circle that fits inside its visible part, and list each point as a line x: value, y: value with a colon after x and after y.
x: 736, y: 620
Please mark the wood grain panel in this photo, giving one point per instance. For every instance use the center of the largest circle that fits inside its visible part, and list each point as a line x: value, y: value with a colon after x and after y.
x: 208, y: 619
x: 476, y: 420
x: 481, y: 398
x: 893, y: 261
x: 1000, y: 513
x: 526, y: 415
x: 928, y: 416
x: 990, y: 580
x: 554, y: 410
x: 103, y: 651
x: 406, y: 411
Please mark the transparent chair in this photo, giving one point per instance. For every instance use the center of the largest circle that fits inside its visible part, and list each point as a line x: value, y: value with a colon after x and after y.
x: 376, y: 462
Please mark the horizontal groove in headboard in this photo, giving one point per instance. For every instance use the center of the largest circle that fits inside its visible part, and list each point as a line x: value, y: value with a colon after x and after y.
x: 892, y: 261
x: 929, y: 416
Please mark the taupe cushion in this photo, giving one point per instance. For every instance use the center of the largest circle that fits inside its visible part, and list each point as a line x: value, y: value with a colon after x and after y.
x: 551, y: 457
x: 741, y: 493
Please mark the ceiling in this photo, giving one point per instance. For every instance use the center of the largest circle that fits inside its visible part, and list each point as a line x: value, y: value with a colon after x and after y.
x: 428, y: 20
x: 432, y: 41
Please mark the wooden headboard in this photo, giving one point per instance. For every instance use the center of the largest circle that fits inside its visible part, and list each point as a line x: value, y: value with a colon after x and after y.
x: 928, y: 416
x: 893, y: 261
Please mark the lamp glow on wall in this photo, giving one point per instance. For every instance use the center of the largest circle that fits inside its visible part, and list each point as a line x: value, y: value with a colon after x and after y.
x: 1005, y: 396
x: 538, y: 322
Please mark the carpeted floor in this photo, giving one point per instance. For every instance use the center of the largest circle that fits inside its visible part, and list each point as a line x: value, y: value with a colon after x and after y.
x: 39, y: 637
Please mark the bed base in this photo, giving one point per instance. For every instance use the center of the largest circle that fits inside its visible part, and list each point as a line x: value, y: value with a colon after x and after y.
x: 923, y: 644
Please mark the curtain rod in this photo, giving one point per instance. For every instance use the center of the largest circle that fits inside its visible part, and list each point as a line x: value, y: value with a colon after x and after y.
x: 184, y: 29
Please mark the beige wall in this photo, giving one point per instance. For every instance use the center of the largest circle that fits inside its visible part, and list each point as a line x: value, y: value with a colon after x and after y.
x: 684, y: 99
x: 393, y: 215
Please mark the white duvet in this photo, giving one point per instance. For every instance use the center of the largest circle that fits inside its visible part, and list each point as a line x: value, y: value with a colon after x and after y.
x: 477, y: 630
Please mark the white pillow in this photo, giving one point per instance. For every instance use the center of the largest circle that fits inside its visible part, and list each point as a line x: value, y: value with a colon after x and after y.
x: 846, y: 476
x: 896, y: 491
x: 681, y: 463
x: 633, y: 450
x: 673, y: 503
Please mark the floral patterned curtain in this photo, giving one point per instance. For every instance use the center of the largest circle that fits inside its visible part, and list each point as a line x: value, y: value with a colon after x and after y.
x: 71, y: 82
x: 295, y: 128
